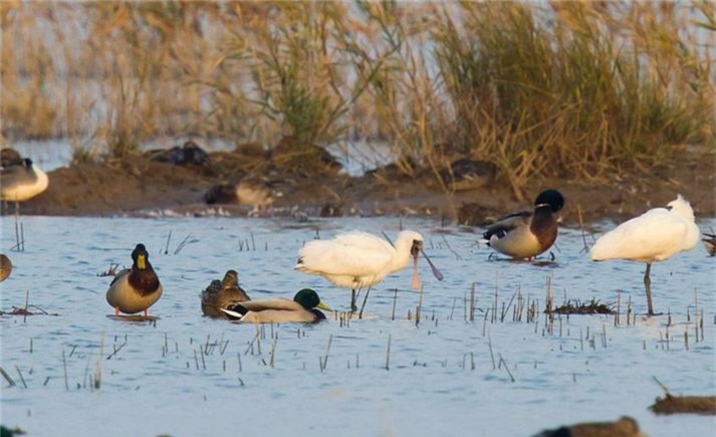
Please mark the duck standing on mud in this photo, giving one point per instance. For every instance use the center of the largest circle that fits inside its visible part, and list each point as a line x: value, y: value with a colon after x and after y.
x: 356, y: 260
x: 136, y: 289
x: 222, y: 294
x: 656, y: 235
x: 529, y: 233
x: 302, y: 309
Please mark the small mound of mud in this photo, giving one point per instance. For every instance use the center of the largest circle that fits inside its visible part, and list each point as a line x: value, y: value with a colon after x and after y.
x: 578, y: 307
x: 669, y: 404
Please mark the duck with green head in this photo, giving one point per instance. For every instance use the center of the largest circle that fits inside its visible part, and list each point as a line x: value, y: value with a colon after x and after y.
x: 136, y: 289
x: 302, y: 309
x: 527, y: 234
x: 222, y: 294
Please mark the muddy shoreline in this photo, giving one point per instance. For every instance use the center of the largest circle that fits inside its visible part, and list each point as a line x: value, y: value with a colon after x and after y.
x: 139, y: 186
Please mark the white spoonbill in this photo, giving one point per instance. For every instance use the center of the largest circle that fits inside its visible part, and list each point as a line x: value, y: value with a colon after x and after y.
x: 357, y: 259
x: 656, y: 235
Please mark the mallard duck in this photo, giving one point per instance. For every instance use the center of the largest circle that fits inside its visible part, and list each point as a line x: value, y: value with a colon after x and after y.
x: 624, y: 427
x: 222, y: 294
x: 529, y: 233
x: 5, y: 267
x: 710, y: 243
x: 19, y: 183
x: 302, y: 309
x: 136, y: 289
x: 656, y: 235
x: 356, y: 260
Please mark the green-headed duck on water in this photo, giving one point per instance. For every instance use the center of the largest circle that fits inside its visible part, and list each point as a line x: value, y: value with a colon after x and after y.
x: 302, y: 309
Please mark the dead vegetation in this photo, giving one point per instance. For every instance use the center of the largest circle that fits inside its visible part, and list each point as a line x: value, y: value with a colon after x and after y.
x: 576, y: 90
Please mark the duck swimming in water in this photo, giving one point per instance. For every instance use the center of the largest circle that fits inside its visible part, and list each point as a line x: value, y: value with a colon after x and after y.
x: 222, y: 294
x: 302, y: 309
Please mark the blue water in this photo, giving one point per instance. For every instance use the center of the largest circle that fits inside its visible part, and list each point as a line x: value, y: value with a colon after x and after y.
x: 445, y: 376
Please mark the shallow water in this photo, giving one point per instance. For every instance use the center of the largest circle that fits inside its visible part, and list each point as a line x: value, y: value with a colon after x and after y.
x: 168, y: 378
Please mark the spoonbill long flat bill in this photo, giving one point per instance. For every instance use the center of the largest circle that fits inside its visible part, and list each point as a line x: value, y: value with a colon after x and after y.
x: 656, y: 235
x: 357, y: 259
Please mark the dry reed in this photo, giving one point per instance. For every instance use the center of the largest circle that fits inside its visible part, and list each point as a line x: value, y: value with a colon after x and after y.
x: 566, y: 89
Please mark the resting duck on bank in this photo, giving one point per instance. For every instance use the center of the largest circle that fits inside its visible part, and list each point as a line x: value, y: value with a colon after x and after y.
x: 136, y: 289
x: 222, y: 294
x: 302, y: 309
x: 529, y: 233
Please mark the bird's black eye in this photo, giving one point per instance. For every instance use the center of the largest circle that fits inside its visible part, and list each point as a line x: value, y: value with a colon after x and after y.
x: 669, y: 207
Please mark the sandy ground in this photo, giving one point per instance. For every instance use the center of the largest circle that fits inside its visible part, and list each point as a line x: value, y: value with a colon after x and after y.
x: 138, y: 186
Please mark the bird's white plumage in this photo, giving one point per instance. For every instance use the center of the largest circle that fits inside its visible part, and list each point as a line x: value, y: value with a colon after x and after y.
x: 356, y: 259
x: 656, y: 235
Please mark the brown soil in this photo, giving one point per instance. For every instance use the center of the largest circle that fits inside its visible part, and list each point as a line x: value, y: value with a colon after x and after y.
x: 685, y: 405
x: 138, y: 186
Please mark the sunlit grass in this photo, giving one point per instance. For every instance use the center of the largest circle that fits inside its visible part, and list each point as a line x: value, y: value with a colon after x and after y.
x: 561, y: 89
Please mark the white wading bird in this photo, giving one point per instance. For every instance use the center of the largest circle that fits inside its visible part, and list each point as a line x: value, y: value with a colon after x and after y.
x: 656, y: 235
x: 356, y: 260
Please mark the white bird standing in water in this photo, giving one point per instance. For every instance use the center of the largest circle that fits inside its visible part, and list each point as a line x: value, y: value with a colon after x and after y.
x: 656, y: 235
x: 356, y: 260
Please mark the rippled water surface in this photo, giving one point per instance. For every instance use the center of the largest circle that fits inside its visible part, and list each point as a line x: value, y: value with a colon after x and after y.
x: 445, y: 376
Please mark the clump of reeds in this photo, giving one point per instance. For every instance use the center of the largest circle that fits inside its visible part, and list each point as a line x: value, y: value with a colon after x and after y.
x: 575, y: 89
x: 578, y: 307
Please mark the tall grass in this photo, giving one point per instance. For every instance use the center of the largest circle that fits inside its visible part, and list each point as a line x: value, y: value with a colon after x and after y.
x: 566, y: 89
x: 572, y: 90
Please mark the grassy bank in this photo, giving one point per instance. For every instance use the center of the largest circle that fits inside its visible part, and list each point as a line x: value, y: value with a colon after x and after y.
x: 551, y: 89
